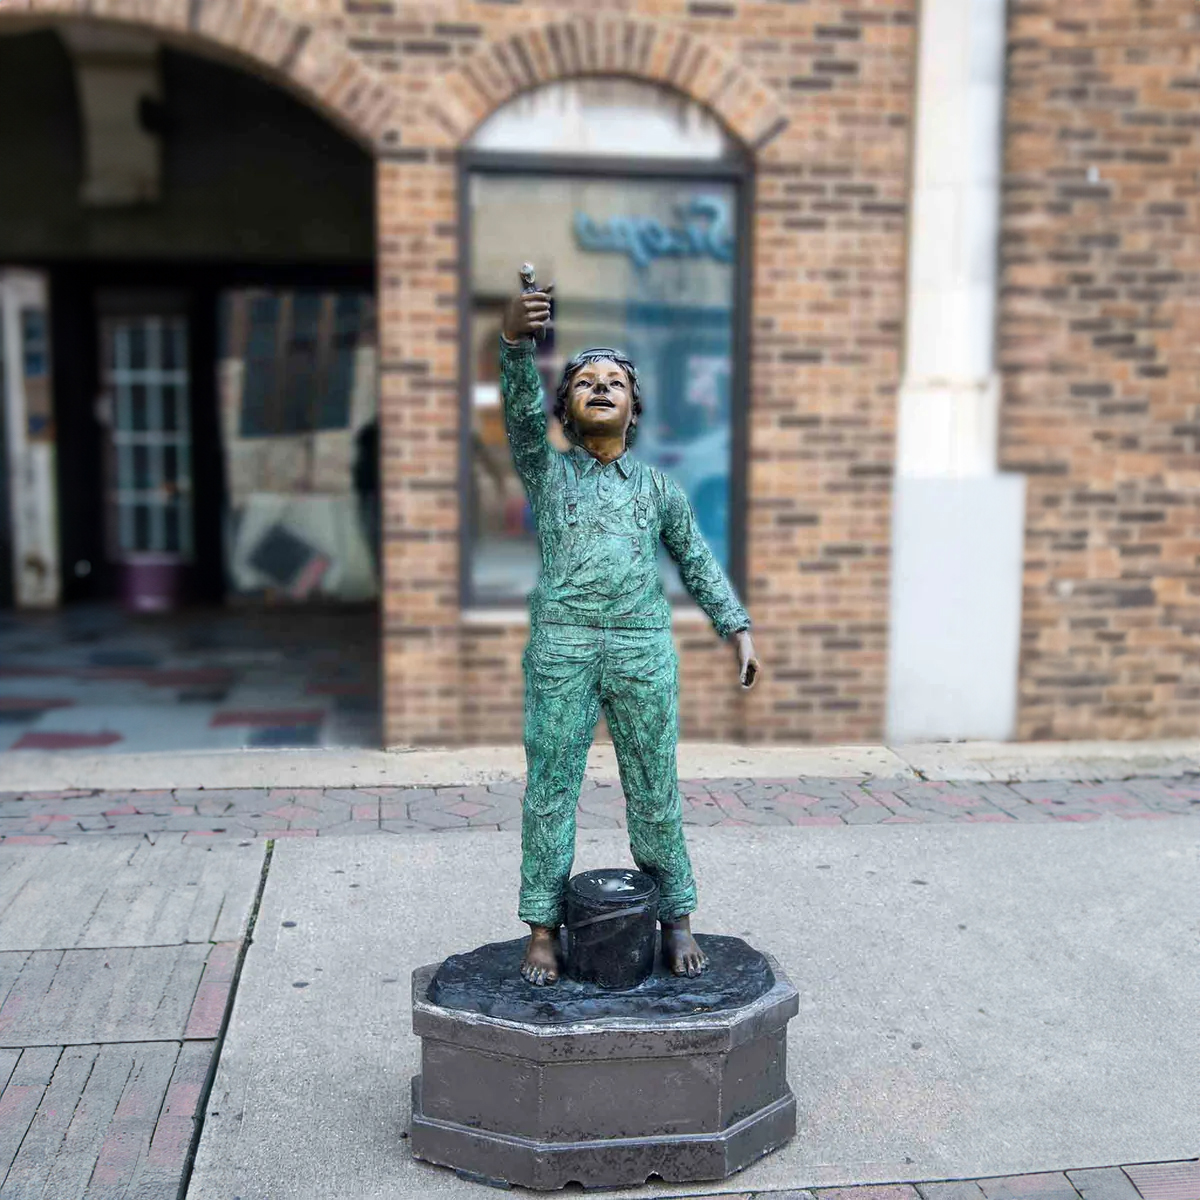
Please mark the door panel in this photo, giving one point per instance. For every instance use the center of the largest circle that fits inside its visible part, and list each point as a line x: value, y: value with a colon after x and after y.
x: 146, y: 400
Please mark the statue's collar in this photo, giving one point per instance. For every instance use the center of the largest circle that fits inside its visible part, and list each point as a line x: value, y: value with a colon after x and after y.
x: 587, y: 461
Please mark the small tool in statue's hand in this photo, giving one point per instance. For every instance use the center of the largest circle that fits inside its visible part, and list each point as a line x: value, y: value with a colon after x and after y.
x: 529, y: 313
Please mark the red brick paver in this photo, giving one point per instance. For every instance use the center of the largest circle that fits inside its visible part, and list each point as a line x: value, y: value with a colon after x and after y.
x: 242, y: 814
x: 1144, y: 1181
x: 1051, y: 1185
x: 1167, y: 1181
x: 212, y: 996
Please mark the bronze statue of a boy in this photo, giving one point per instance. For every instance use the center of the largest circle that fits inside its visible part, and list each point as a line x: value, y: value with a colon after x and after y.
x: 600, y: 636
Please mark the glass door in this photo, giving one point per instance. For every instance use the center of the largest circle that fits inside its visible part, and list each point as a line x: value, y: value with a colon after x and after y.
x: 145, y: 409
x: 145, y: 381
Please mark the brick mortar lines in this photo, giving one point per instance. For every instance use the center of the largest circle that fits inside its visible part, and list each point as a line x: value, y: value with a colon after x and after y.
x: 1099, y: 269
x: 203, y: 817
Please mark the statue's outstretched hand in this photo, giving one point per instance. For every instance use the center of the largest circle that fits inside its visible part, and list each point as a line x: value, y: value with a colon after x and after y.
x: 747, y: 659
x: 527, y: 313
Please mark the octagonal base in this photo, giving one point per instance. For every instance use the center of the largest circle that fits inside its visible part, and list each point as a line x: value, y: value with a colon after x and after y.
x: 501, y: 1159
x: 604, y: 1101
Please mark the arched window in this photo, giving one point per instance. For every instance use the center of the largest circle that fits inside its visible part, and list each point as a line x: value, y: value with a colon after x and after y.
x: 629, y: 197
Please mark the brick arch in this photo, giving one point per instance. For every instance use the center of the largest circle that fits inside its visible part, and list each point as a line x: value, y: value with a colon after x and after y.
x: 308, y: 61
x: 639, y: 49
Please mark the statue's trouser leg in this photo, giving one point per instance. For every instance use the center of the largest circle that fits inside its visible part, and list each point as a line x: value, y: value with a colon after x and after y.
x: 562, y: 705
x: 639, y: 691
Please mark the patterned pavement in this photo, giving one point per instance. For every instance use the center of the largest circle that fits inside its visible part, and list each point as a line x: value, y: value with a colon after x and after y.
x: 243, y: 814
x: 93, y: 677
x: 112, y: 1001
x: 105, y: 1049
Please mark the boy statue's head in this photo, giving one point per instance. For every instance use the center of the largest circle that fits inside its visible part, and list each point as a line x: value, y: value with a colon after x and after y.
x: 599, y: 394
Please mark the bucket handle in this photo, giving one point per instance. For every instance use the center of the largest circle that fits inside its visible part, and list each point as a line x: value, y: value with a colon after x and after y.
x: 635, y: 910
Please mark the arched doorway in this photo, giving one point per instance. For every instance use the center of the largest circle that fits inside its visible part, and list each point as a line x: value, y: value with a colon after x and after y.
x: 188, y: 284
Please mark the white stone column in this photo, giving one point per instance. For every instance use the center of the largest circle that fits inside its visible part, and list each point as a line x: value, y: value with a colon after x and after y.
x: 957, y: 539
x: 949, y: 396
x: 28, y: 415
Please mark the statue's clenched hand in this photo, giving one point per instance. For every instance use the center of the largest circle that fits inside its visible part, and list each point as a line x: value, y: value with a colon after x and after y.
x: 747, y: 659
x: 527, y: 313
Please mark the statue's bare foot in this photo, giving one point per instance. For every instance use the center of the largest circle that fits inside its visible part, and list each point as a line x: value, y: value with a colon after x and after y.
x: 540, y: 964
x: 680, y: 951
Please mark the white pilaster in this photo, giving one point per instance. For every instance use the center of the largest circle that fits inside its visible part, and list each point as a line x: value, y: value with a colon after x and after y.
x: 949, y: 394
x: 957, y: 545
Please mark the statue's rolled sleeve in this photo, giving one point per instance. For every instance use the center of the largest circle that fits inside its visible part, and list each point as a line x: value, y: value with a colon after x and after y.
x: 524, y: 413
x: 699, y: 570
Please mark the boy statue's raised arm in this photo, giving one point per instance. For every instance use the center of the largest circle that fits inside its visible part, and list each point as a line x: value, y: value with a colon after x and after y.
x: 521, y: 387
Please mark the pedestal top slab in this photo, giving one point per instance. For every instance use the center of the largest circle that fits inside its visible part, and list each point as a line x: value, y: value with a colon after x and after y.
x: 643, y: 1027
x: 487, y: 981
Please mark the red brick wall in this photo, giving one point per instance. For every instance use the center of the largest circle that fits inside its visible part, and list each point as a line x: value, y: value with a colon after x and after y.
x: 1100, y: 324
x: 825, y: 93
x: 822, y: 94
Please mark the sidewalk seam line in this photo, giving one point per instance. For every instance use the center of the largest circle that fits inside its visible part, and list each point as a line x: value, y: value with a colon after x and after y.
x: 140, y: 946
x: 219, y: 1044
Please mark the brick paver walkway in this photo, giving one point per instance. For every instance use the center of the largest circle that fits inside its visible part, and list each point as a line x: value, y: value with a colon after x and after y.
x: 117, y: 968
x: 1144, y: 1181
x: 200, y: 816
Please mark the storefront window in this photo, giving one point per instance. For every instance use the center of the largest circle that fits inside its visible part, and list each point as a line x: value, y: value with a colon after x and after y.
x: 642, y: 261
x: 298, y: 418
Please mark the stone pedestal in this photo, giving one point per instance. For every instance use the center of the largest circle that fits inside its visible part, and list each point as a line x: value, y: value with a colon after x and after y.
x: 680, y: 1078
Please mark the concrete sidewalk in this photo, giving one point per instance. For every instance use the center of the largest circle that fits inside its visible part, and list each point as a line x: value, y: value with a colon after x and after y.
x: 998, y: 978
x: 1006, y: 762
x: 975, y: 1000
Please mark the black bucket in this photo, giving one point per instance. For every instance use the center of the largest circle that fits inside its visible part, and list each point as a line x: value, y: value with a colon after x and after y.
x: 611, y: 919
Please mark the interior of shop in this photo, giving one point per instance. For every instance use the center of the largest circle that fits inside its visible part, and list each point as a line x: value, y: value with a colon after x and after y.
x: 189, y: 450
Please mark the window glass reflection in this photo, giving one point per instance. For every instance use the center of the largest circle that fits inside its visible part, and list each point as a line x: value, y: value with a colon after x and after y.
x: 297, y: 382
x: 646, y: 265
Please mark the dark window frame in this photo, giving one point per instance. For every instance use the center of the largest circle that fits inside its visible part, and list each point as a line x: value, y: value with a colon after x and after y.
x: 736, y: 170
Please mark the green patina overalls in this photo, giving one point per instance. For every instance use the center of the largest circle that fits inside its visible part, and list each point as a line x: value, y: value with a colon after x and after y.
x: 600, y: 641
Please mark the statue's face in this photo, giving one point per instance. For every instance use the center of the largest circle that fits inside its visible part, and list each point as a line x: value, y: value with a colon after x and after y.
x: 600, y: 400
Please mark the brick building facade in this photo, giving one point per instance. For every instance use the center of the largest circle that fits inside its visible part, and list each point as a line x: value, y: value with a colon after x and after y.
x: 820, y: 96
x: 1097, y: 285
x: 1101, y: 267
